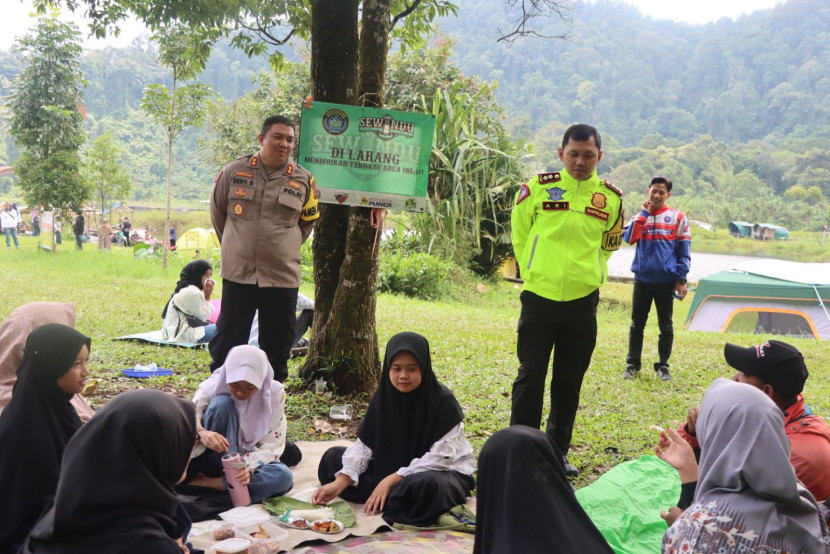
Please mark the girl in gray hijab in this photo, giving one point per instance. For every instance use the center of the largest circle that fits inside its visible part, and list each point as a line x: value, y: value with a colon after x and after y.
x: 747, y: 497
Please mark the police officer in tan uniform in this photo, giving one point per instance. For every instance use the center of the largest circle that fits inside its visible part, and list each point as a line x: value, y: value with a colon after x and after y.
x: 263, y: 208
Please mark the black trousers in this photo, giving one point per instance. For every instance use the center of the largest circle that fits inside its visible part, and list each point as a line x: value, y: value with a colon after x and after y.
x: 417, y: 500
x: 572, y: 328
x: 276, y: 323
x: 662, y: 295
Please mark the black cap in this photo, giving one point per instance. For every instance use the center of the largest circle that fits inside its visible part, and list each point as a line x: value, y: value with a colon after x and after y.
x: 774, y: 362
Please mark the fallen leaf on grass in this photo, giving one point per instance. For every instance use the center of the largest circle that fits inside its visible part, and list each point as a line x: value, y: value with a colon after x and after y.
x: 324, y: 426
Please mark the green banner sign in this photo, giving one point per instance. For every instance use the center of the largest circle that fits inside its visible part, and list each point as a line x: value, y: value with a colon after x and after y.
x: 367, y: 156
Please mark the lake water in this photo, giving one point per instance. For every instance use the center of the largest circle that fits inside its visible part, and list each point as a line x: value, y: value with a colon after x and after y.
x: 619, y: 265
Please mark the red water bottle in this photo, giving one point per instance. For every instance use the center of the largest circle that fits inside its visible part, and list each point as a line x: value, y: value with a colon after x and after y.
x: 232, y: 463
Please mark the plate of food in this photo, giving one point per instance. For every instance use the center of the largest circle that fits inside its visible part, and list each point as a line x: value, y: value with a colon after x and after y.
x: 327, y: 526
x: 293, y: 522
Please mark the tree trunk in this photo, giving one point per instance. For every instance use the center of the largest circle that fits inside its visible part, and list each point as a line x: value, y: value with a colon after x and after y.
x: 345, y: 269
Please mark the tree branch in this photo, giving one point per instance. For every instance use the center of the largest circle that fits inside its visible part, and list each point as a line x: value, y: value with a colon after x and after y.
x: 265, y: 34
x: 404, y: 13
x: 532, y: 9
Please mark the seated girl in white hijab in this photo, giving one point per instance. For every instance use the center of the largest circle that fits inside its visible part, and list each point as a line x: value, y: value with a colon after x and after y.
x: 240, y: 408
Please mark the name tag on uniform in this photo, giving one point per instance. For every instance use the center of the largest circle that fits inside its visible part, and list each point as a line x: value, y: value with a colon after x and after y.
x: 290, y: 191
x: 599, y: 214
x: 549, y: 205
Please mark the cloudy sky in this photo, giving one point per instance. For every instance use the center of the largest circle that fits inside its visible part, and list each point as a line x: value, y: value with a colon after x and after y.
x: 15, y: 18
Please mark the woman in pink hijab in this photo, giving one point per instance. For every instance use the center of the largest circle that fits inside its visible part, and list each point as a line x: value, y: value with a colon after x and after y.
x: 13, y: 333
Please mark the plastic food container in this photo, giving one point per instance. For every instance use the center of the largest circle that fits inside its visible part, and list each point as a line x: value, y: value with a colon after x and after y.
x: 232, y: 546
x: 341, y: 412
x: 271, y: 545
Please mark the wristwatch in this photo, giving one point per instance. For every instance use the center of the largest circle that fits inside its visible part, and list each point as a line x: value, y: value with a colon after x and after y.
x: 682, y: 281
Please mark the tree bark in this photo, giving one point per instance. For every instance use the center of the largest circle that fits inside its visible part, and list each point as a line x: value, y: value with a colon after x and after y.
x: 345, y: 249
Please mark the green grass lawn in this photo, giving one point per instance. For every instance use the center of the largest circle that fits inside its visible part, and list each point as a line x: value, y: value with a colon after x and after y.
x: 473, y: 344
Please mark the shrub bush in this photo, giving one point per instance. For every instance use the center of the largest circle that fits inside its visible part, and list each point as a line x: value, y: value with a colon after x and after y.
x: 415, y: 274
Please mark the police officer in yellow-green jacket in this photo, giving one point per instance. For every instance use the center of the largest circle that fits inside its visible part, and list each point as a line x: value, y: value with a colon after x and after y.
x: 565, y: 226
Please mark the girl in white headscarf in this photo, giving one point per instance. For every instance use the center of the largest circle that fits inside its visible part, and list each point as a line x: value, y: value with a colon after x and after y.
x: 240, y: 408
x: 747, y: 497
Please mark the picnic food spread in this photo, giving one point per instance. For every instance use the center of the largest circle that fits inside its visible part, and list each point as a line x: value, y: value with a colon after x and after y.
x: 327, y: 526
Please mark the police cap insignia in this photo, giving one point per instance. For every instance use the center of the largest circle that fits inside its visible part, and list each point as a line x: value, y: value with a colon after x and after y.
x: 617, y: 191
x: 524, y: 192
x: 545, y: 178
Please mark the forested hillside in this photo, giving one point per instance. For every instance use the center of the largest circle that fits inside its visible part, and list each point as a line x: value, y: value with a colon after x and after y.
x: 764, y: 76
x: 736, y: 112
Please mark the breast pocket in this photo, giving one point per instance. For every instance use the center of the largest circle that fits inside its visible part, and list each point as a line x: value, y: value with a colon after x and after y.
x: 289, y: 204
x: 240, y: 208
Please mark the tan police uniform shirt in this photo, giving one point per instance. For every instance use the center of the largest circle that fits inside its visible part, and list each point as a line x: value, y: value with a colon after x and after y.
x: 261, y: 223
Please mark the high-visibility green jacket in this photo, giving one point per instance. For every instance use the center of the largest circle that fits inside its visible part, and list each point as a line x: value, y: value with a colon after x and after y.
x: 564, y: 231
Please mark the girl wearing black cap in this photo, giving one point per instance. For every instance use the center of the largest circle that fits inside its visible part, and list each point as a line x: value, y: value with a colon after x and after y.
x: 37, y: 424
x: 185, y: 314
x: 411, y: 459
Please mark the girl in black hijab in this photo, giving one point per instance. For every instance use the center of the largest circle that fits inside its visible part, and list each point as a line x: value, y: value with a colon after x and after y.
x: 185, y: 314
x: 525, y: 503
x: 116, y: 486
x: 36, y: 426
x: 411, y: 459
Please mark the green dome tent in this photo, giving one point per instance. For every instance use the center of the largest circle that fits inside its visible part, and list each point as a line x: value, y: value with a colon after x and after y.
x: 785, y: 298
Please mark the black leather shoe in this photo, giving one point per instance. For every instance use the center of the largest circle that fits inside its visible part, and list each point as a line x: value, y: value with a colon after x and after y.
x: 570, y: 469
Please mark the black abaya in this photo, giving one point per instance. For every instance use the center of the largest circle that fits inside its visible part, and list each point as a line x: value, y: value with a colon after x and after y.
x: 34, y: 430
x: 525, y: 503
x: 115, y: 492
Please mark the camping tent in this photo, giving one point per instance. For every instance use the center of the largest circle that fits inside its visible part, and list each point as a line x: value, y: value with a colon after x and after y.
x: 785, y: 298
x: 198, y: 238
x: 740, y: 229
x: 764, y: 231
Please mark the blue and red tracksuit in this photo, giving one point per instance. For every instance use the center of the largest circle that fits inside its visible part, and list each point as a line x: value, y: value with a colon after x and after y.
x: 662, y: 258
x: 663, y: 245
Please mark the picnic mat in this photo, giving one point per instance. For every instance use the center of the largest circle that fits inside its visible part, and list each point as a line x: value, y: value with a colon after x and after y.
x: 305, y: 483
x: 625, y: 504
x: 154, y: 337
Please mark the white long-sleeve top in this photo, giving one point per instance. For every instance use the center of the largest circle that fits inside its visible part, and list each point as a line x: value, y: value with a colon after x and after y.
x: 269, y: 448
x: 191, y: 301
x: 451, y: 452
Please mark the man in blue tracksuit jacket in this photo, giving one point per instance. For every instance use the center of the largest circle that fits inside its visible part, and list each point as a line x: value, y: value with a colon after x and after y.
x: 661, y: 264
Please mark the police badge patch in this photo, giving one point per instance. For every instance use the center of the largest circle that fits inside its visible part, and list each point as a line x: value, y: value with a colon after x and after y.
x: 598, y: 200
x: 524, y: 192
x: 555, y: 194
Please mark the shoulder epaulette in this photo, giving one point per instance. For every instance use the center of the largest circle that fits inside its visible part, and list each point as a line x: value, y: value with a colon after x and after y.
x: 608, y: 184
x: 545, y: 178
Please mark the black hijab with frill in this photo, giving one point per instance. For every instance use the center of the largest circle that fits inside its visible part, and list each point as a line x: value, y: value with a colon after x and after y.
x: 400, y: 427
x: 191, y: 275
x: 116, y: 487
x: 35, y: 428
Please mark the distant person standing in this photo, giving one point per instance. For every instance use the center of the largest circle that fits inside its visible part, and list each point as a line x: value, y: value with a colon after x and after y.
x: 57, y: 230
x: 104, y: 235
x: 9, y: 224
x: 565, y: 226
x: 661, y: 264
x: 16, y: 211
x: 78, y: 231
x: 36, y: 221
x: 263, y: 207
x: 172, y: 238
x: 126, y: 227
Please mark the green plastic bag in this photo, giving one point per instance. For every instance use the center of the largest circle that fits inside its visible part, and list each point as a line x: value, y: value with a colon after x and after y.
x: 625, y: 504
